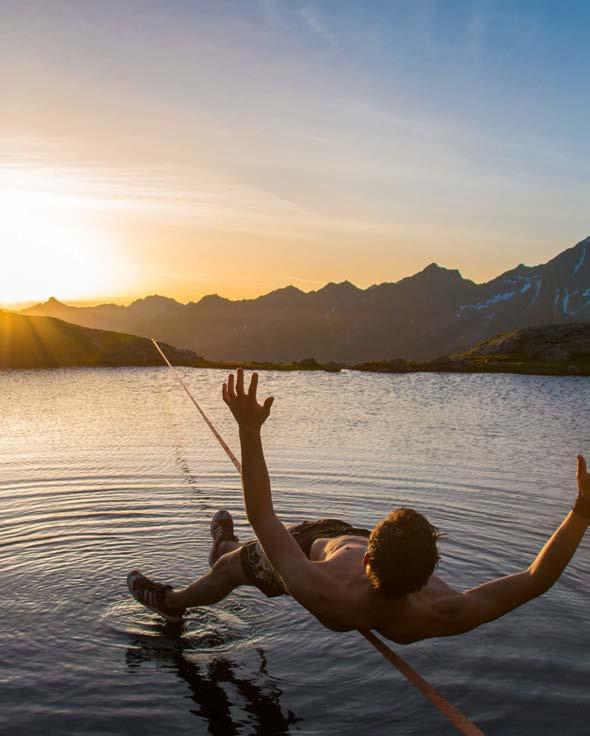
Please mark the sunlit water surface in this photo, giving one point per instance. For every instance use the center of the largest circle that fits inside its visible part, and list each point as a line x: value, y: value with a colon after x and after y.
x: 105, y: 470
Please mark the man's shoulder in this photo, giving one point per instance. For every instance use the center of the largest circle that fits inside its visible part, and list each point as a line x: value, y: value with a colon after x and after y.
x: 437, y: 586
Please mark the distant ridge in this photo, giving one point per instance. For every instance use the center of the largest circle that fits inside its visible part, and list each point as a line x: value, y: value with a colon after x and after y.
x: 551, y: 350
x: 48, y: 342
x: 436, y: 311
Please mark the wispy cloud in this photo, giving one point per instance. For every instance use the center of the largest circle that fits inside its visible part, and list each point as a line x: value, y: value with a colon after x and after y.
x: 317, y: 24
x: 33, y: 180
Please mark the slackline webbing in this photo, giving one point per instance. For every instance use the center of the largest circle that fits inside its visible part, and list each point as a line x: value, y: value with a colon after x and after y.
x: 210, y: 424
x: 461, y: 722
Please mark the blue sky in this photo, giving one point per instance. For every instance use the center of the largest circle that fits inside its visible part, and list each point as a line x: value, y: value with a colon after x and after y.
x: 239, y: 146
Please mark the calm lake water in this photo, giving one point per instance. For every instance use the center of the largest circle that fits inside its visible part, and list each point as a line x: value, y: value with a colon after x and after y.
x: 105, y: 470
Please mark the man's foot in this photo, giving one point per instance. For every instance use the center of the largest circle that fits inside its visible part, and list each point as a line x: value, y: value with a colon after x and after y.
x: 153, y: 595
x: 222, y: 530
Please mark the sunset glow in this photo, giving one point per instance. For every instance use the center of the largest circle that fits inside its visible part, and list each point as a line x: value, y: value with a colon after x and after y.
x: 55, y: 246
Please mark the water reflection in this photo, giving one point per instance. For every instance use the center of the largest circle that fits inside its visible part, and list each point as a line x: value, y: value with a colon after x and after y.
x: 213, y: 684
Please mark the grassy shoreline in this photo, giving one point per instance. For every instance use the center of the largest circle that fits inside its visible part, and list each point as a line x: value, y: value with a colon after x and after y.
x: 492, y: 364
x: 489, y: 364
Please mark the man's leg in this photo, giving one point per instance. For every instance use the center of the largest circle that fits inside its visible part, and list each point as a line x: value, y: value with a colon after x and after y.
x: 225, y: 575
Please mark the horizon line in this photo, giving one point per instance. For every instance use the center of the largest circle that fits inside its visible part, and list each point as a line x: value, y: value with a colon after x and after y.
x: 125, y: 301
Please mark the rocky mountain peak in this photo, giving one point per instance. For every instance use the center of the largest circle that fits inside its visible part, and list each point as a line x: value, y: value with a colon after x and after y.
x: 210, y: 300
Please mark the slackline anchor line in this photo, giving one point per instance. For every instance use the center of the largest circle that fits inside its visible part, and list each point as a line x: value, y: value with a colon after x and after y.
x: 210, y: 424
x: 461, y: 722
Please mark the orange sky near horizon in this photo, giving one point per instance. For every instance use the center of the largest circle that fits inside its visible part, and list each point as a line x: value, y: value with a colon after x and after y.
x: 86, y: 240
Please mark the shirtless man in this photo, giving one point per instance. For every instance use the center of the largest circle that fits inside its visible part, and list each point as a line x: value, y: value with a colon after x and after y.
x: 351, y: 578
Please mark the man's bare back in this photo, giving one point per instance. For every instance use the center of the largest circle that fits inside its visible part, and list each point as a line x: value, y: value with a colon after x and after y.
x: 356, y: 605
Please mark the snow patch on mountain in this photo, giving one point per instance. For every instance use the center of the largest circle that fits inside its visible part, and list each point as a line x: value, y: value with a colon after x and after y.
x: 328, y: 313
x: 565, y: 301
x: 516, y: 285
x: 501, y: 297
x: 579, y: 263
x: 536, y: 294
x: 586, y: 297
x: 526, y: 286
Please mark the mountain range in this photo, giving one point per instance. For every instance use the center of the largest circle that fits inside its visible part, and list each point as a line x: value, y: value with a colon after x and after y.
x: 433, y: 312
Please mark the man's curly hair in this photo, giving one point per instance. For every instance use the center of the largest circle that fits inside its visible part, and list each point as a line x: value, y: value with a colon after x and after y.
x: 402, y: 553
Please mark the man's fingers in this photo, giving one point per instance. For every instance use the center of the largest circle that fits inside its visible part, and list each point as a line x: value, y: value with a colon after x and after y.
x: 267, y: 404
x: 240, y: 382
x: 224, y: 393
x: 581, y: 466
x: 230, y: 387
x: 253, y: 386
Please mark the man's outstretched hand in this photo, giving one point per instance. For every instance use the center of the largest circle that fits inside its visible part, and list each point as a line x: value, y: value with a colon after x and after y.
x: 583, y: 478
x: 248, y: 413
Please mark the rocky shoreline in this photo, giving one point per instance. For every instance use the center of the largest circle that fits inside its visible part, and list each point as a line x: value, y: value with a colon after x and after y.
x: 552, y: 350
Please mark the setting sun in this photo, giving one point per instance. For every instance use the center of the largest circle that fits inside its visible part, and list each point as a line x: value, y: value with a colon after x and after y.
x: 53, y: 244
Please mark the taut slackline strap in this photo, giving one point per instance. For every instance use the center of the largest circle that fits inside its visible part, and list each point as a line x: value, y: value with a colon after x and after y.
x: 210, y: 424
x: 461, y: 723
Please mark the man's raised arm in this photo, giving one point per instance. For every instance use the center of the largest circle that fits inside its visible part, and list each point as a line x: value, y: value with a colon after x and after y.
x: 279, y: 546
x: 487, y: 602
x: 250, y: 416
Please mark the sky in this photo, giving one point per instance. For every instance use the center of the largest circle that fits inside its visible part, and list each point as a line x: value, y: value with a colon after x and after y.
x: 187, y: 148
